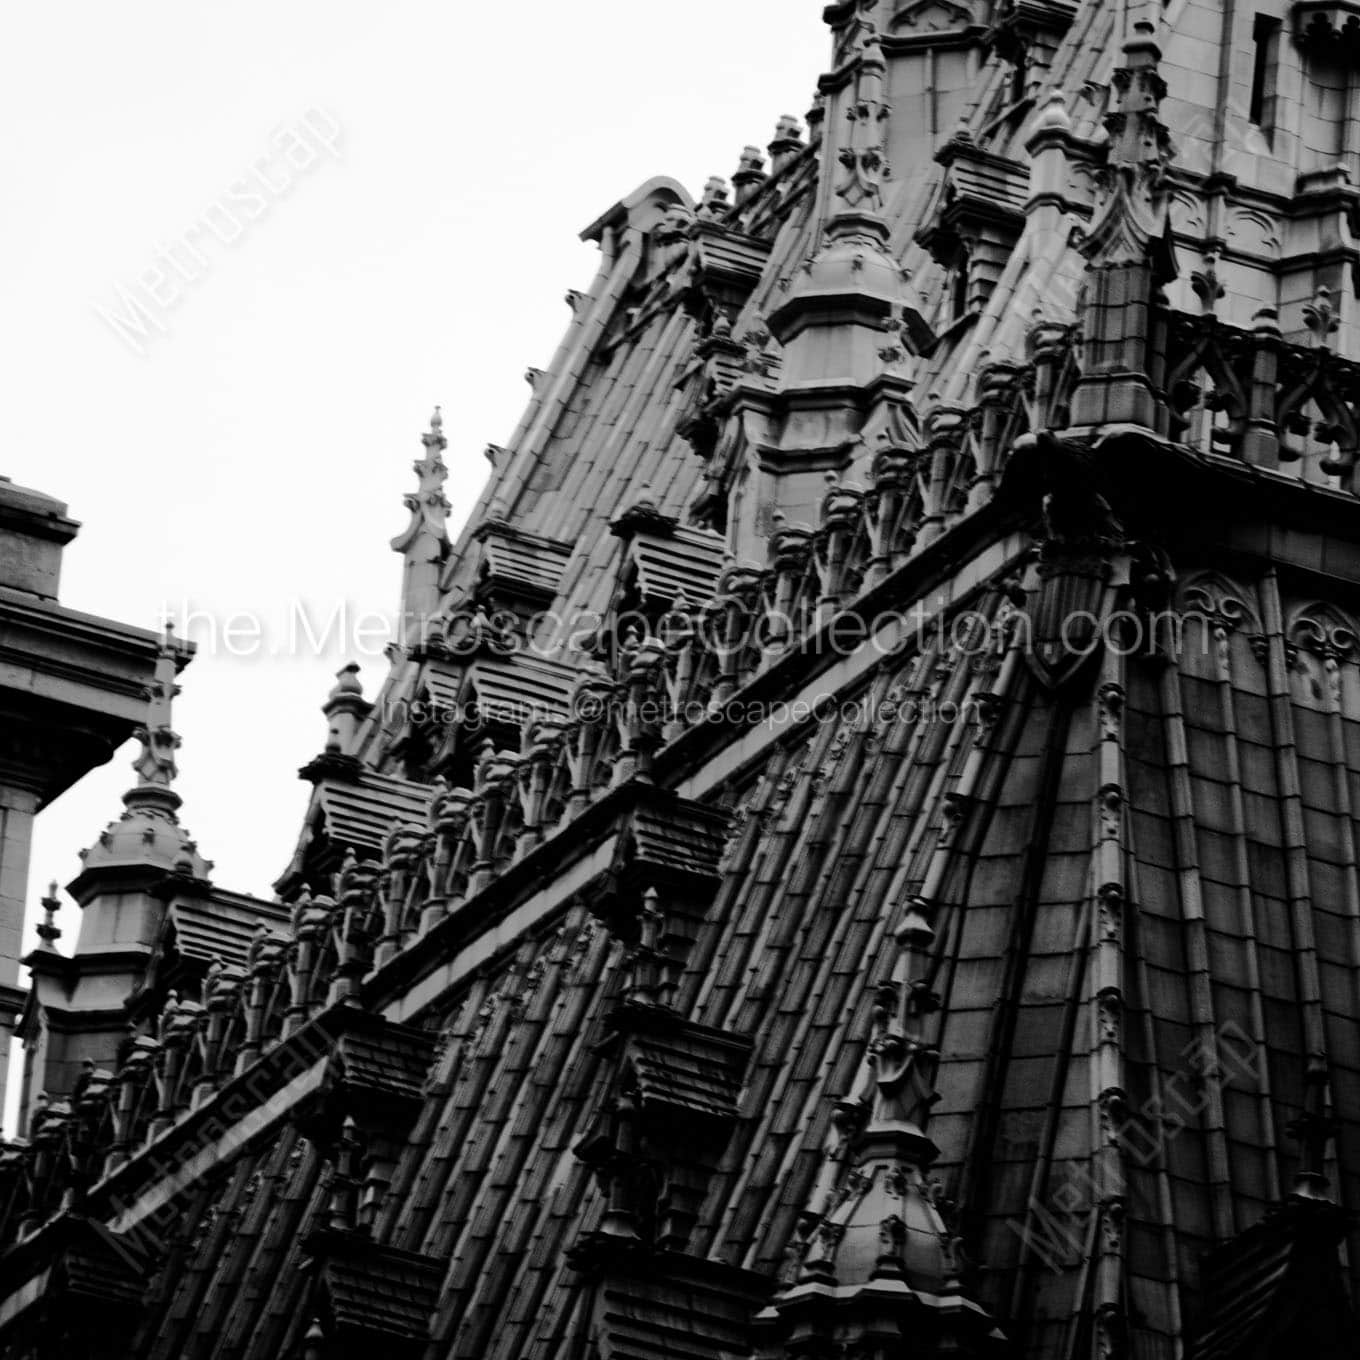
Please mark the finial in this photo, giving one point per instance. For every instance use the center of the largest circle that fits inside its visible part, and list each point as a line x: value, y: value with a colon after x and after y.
x: 347, y: 681
x: 863, y: 154
x: 427, y: 503
x: 786, y: 143
x: 1321, y: 316
x: 816, y: 117
x: 1313, y: 1130
x: 750, y: 174
x: 714, y: 202
x: 1207, y: 284
x: 424, y: 543
x: 345, y: 709
x: 155, y: 764
x: 49, y: 932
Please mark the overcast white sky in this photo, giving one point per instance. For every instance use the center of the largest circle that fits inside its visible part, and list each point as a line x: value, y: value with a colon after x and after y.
x: 251, y: 460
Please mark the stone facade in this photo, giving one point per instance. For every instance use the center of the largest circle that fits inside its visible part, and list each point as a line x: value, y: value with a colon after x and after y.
x: 854, y: 854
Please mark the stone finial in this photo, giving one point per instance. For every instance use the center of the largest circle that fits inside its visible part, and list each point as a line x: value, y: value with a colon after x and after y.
x: 427, y: 503
x: 1130, y: 224
x: 425, y: 542
x: 1321, y: 316
x: 49, y: 932
x: 345, y: 709
x: 749, y: 174
x: 816, y: 119
x: 148, y: 833
x: 347, y: 681
x: 714, y: 201
x: 155, y: 763
x: 1313, y: 1131
x: 786, y: 143
x: 863, y: 156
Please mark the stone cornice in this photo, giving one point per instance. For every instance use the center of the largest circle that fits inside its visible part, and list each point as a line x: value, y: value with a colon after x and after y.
x: 77, y: 682
x: 1257, y: 514
x: 34, y: 514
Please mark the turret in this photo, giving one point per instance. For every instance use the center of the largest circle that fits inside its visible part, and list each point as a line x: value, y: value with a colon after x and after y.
x: 850, y: 322
x: 76, y: 1012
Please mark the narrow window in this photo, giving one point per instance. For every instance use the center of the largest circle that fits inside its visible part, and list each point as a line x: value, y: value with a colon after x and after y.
x: 1265, y: 37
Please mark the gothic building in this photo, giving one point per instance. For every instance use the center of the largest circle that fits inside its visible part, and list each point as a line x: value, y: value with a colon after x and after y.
x: 854, y: 854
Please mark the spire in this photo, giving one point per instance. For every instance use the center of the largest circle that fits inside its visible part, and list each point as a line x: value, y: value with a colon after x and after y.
x: 849, y: 321
x: 425, y: 542
x: 904, y: 1064
x: 853, y: 288
x: 863, y: 158
x: 876, y: 1243
x: 1129, y: 250
x: 1132, y: 222
x: 148, y: 835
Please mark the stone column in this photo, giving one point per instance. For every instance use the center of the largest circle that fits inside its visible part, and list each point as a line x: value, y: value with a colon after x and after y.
x: 18, y: 807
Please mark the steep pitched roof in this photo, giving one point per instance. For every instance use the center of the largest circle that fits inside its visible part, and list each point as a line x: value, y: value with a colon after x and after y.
x: 1142, y: 866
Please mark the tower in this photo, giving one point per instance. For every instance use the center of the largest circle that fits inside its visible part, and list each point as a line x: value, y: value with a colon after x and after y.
x: 70, y: 694
x: 77, y: 1016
